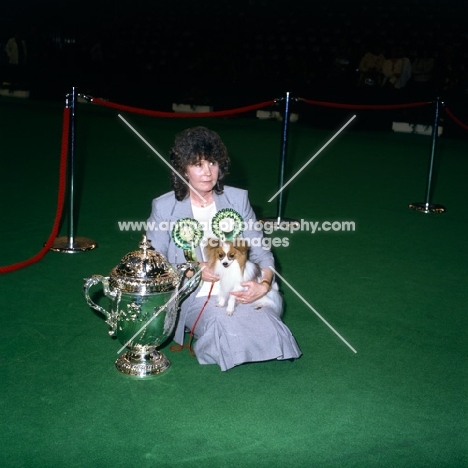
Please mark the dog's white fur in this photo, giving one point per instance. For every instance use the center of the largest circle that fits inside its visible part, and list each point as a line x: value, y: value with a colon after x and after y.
x: 229, y: 261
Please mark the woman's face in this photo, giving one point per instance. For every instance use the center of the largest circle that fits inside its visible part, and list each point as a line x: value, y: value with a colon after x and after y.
x: 203, y: 175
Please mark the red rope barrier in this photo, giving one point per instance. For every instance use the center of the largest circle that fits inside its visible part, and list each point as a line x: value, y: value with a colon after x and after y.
x: 364, y: 106
x: 455, y: 119
x: 60, y: 201
x: 152, y: 113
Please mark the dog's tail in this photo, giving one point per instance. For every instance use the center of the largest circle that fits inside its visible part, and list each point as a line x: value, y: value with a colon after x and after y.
x: 252, y: 272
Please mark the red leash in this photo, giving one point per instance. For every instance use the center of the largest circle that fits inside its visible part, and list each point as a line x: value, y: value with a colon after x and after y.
x: 177, y: 348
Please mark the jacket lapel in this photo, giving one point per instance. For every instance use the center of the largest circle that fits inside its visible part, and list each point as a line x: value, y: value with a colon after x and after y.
x: 183, y: 209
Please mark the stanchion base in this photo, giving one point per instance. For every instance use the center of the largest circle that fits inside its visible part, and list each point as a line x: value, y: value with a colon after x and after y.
x: 427, y: 207
x: 283, y: 224
x: 79, y: 244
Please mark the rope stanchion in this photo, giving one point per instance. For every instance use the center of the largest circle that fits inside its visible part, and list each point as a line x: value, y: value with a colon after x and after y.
x: 279, y: 221
x: 71, y: 243
x: 427, y: 206
x: 152, y: 113
x: 60, y: 201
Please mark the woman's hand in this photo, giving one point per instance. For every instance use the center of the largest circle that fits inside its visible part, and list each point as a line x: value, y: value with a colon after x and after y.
x: 207, y: 273
x: 255, y: 290
x: 253, y: 293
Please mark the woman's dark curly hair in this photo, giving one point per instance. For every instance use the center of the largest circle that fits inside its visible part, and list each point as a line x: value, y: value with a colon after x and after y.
x: 193, y: 145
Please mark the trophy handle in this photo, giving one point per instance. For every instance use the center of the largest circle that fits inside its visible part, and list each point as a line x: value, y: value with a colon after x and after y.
x: 93, y: 281
x: 191, y: 283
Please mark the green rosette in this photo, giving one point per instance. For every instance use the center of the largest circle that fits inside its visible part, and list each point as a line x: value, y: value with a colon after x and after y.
x: 187, y: 235
x: 227, y: 224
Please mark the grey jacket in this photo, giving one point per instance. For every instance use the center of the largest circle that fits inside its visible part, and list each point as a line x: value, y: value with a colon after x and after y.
x: 166, y: 210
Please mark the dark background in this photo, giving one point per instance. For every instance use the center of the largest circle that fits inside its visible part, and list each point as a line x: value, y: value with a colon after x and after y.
x: 227, y: 53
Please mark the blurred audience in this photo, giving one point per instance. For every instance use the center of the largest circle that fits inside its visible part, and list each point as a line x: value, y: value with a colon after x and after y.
x: 298, y: 51
x: 15, y: 50
x: 422, y: 68
x: 396, y: 70
x: 370, y: 67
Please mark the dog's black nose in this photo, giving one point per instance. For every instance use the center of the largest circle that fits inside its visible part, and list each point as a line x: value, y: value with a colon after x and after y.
x: 225, y: 264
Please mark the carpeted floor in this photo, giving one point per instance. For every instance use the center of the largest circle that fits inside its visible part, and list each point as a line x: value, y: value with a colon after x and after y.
x: 395, y: 289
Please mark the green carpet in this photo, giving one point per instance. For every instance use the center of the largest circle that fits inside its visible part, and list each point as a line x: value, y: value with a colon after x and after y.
x: 395, y: 289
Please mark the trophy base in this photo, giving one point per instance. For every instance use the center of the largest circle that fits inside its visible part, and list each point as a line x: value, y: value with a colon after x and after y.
x: 427, y: 208
x: 79, y: 244
x: 147, y: 363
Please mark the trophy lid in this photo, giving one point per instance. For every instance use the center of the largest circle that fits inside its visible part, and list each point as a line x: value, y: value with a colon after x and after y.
x: 144, y: 271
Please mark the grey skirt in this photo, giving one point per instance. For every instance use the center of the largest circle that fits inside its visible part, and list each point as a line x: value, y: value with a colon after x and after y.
x: 248, y: 335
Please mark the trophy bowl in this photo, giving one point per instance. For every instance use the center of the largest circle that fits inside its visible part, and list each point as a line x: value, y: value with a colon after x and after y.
x: 145, y: 292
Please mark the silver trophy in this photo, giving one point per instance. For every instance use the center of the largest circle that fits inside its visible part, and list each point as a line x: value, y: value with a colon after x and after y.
x: 145, y: 293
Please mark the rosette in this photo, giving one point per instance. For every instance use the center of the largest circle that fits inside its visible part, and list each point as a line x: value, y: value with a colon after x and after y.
x: 227, y: 224
x: 187, y: 234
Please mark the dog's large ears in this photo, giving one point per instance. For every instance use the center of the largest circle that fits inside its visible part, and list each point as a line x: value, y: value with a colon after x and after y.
x: 212, y: 243
x: 241, y: 244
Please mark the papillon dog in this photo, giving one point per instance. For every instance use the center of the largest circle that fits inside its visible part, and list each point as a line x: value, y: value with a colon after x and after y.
x: 229, y: 260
